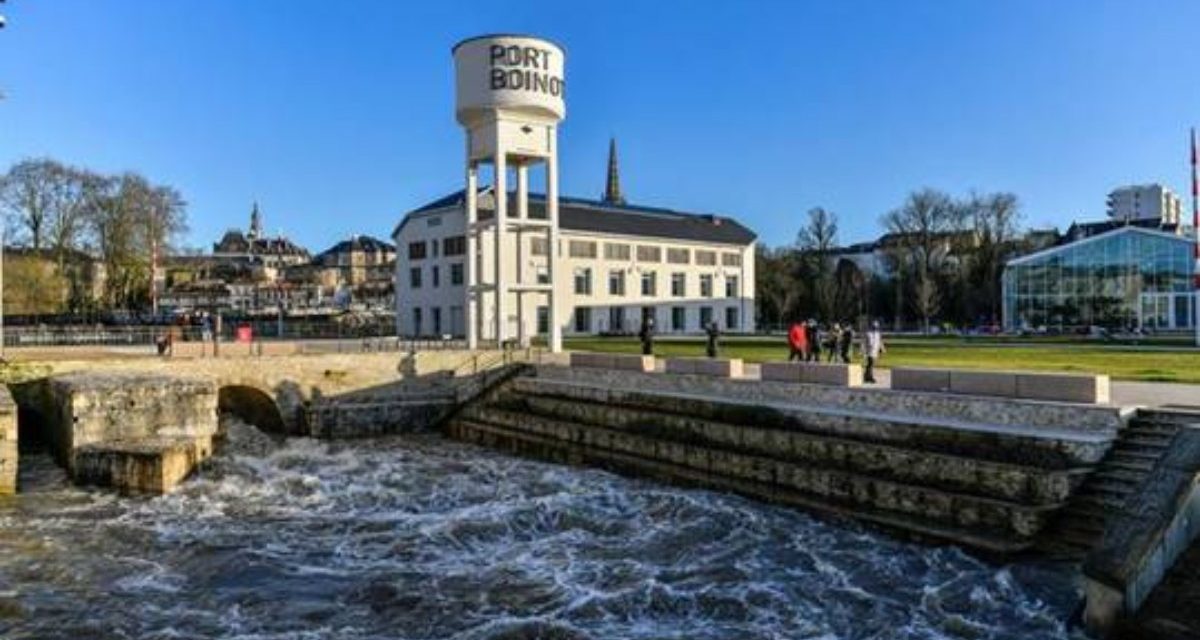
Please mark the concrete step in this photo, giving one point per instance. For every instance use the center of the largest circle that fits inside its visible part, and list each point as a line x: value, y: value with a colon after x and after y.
x: 1152, y: 429
x: 1111, y: 473
x: 1135, y: 465
x: 1146, y: 442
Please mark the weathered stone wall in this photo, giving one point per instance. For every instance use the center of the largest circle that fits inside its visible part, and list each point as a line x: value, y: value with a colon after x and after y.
x: 964, y: 469
x: 8, y: 443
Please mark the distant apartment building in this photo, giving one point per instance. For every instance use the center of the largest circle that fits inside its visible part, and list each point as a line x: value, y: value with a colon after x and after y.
x: 1144, y: 203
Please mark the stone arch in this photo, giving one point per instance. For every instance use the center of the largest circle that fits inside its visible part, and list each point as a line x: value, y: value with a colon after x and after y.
x: 253, y: 405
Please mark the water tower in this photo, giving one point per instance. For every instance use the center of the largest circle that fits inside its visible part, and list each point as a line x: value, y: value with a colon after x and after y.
x: 510, y: 101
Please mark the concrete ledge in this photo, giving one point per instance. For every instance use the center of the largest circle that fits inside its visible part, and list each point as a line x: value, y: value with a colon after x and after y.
x: 191, y: 350
x: 277, y: 348
x: 716, y: 367
x: 645, y: 364
x: 838, y: 375
x: 918, y: 379
x: 1064, y: 387
x: 592, y: 360
x: 153, y: 465
x: 8, y: 443
x: 984, y: 383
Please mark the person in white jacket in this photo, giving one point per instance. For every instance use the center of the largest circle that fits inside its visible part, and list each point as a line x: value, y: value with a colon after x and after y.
x: 872, y: 349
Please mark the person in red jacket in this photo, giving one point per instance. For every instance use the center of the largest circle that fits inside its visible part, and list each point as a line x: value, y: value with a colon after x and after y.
x: 797, y: 342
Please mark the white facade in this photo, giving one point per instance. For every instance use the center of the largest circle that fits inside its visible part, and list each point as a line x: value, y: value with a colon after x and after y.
x: 607, y: 279
x: 1144, y: 202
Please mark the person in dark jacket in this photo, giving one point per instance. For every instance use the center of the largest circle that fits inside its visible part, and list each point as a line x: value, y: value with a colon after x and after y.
x: 846, y: 343
x: 831, y: 341
x: 814, y: 342
x: 713, y: 334
x: 647, y: 336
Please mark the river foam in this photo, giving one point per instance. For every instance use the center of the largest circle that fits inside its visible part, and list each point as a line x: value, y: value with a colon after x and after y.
x: 420, y: 537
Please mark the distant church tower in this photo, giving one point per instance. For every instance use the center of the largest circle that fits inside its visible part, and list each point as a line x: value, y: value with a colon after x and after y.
x: 612, y: 187
x: 255, y: 223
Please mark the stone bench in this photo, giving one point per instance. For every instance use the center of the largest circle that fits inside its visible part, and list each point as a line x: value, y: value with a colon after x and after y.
x: 621, y: 361
x: 838, y: 375
x: 1059, y: 387
x: 715, y: 367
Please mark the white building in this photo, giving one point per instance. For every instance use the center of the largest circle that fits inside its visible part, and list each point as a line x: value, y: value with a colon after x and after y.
x: 618, y: 264
x: 1144, y: 202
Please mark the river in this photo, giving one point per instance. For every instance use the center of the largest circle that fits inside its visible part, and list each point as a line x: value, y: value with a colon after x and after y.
x: 421, y: 537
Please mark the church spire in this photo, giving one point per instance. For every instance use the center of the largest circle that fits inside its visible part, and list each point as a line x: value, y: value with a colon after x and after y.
x: 255, y: 223
x: 612, y: 188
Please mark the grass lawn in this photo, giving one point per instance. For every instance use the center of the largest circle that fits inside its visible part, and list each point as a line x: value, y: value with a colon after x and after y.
x: 1150, y: 364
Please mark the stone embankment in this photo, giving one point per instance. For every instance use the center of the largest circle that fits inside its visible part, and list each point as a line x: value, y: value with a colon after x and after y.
x: 8, y: 443
x: 984, y: 472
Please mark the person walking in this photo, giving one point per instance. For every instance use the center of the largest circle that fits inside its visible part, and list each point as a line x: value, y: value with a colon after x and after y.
x: 831, y: 341
x: 797, y: 342
x: 814, y: 341
x: 647, y: 336
x: 713, y: 334
x: 872, y: 349
x: 846, y: 343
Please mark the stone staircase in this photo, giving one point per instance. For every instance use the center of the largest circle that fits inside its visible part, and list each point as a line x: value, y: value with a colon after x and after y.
x: 1139, y: 446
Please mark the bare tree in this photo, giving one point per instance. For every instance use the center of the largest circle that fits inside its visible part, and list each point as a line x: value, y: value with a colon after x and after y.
x: 28, y: 193
x: 815, y: 240
x: 995, y: 219
x: 923, y: 229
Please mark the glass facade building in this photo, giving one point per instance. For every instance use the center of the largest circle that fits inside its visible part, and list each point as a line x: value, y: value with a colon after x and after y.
x: 1127, y: 277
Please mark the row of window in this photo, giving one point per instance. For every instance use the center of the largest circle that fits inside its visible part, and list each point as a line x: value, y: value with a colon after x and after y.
x: 619, y: 319
x: 649, y: 281
x: 650, y: 253
x: 416, y: 281
x: 450, y: 246
x: 622, y: 319
x: 457, y: 246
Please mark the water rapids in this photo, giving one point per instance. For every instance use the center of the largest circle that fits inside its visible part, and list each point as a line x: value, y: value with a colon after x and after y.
x: 420, y: 537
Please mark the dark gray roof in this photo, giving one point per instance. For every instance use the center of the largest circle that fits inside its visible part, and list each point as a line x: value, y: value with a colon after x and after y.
x: 579, y: 214
x: 358, y: 243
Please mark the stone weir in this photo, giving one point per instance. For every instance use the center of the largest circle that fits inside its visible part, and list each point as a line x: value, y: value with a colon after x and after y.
x: 136, y: 432
x: 988, y: 473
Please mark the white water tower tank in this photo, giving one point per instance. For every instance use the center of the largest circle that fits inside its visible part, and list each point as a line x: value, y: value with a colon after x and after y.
x: 518, y: 77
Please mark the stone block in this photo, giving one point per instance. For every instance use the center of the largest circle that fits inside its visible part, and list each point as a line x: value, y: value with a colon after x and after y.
x: 1103, y: 607
x: 8, y: 467
x: 236, y: 349
x: 781, y: 371
x: 1064, y: 387
x: 983, y: 383
x: 838, y: 375
x: 715, y: 367
x: 149, y: 465
x: 277, y: 348
x: 592, y: 360
x: 644, y: 364
x: 918, y: 379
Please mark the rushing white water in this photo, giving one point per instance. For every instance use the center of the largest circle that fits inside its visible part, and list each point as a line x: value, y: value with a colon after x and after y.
x: 420, y: 537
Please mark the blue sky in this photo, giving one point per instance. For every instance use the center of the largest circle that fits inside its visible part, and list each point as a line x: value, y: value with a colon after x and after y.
x: 338, y: 116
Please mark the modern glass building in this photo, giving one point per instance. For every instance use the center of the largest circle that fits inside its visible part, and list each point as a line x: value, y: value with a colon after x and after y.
x: 1128, y: 277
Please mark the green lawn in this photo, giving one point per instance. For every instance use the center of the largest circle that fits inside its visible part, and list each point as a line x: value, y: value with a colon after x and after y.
x: 1156, y: 364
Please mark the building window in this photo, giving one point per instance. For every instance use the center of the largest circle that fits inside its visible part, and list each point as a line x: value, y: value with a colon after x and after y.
x: 649, y: 284
x: 616, y: 282
x: 583, y: 319
x: 731, y: 287
x: 678, y: 318
x: 414, y: 277
x: 416, y: 321
x: 435, y: 277
x: 616, y: 251
x: 648, y: 253
x: 706, y: 286
x: 537, y: 246
x: 616, y: 319
x: 679, y: 285
x: 706, y: 317
x: 679, y: 256
x: 731, y: 317
x: 454, y: 246
x: 436, y: 318
x: 433, y: 245
x: 416, y: 250
x: 583, y: 282
x: 456, y: 273
x: 581, y: 249
x: 731, y: 259
x: 706, y: 258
